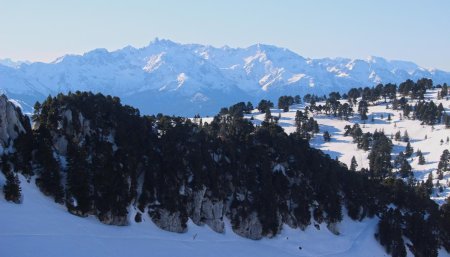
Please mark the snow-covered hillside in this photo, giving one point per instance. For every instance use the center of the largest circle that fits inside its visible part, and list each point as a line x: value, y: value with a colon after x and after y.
x: 422, y: 137
x: 39, y: 227
x: 186, y: 79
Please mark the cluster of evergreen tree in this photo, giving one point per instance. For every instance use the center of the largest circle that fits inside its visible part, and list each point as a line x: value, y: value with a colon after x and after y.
x: 109, y: 148
x: 380, y: 155
x: 306, y: 126
x: 362, y: 140
x: 264, y: 106
x: 285, y: 101
x: 333, y: 106
x: 427, y: 112
x: 416, y: 90
x: 312, y: 98
x: 443, y: 92
x: 372, y: 94
x: 237, y: 110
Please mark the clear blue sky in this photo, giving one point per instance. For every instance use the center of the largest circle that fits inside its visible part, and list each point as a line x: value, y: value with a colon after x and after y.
x: 416, y: 30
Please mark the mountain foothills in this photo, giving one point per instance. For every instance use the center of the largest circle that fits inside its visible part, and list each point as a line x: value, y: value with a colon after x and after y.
x: 98, y: 157
x: 186, y: 79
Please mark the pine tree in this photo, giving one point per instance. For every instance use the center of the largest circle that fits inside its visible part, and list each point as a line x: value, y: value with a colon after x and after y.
x: 405, y: 169
x: 363, y: 109
x: 390, y: 233
x: 399, y: 160
x: 364, y: 142
x: 429, y: 184
x: 49, y: 177
x: 380, y: 156
x: 249, y: 108
x: 421, y: 157
x: 326, y: 136
x: 397, y: 136
x: 405, y: 137
x: 444, y: 161
x: 444, y: 224
x: 12, y: 189
x: 268, y: 116
x: 264, y: 105
x: 408, y: 150
x: 353, y: 164
x: 78, y: 180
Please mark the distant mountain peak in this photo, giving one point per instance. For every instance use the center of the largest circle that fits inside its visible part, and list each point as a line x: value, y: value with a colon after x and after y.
x: 11, y: 63
x: 165, y: 76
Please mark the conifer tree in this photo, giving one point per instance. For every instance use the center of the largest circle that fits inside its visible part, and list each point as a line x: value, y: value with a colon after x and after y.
x: 353, y: 164
x: 49, y: 177
x: 362, y: 109
x: 405, y: 169
x: 12, y: 189
x: 326, y: 136
x: 78, y: 179
x: 444, y: 223
x: 444, y: 161
x: 408, y: 150
x: 405, y: 137
x: 380, y: 156
x: 421, y: 157
x: 397, y: 136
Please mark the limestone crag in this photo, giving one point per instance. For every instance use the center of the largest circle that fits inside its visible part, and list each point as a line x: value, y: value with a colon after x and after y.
x: 10, y: 122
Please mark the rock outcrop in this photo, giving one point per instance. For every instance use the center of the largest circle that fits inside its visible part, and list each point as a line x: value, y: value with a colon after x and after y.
x: 250, y: 227
x: 204, y: 210
x: 170, y: 221
x: 11, y: 119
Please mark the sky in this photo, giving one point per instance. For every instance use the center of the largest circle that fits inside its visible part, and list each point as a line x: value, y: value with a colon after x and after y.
x: 414, y: 30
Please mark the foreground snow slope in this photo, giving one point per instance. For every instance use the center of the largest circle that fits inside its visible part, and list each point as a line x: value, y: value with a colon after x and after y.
x: 39, y: 227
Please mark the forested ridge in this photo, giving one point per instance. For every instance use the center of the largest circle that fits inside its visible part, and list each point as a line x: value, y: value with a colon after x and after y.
x: 98, y: 157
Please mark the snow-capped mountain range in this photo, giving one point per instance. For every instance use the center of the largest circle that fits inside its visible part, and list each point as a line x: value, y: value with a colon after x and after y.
x: 186, y: 79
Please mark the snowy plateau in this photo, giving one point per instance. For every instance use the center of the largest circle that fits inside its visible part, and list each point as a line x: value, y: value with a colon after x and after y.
x: 189, y: 79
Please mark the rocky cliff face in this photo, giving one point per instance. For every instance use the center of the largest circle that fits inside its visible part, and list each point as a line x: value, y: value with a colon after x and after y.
x: 11, y: 122
x: 204, y: 210
x: 170, y: 221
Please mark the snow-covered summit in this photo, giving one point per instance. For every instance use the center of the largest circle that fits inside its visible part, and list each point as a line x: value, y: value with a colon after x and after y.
x: 11, y: 63
x: 169, y: 77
